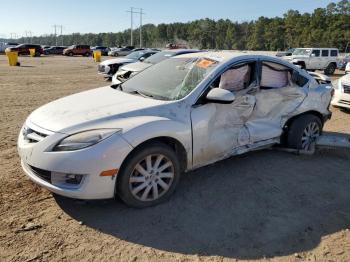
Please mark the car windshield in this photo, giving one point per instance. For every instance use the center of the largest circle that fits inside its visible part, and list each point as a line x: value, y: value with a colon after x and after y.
x: 135, y: 55
x: 156, y: 58
x: 171, y: 79
x: 302, y: 52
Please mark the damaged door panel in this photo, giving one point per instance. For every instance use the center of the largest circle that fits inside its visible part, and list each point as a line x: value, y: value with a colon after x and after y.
x: 219, y: 128
x: 278, y: 96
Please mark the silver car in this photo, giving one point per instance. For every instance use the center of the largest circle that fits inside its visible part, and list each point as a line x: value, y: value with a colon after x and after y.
x: 135, y: 139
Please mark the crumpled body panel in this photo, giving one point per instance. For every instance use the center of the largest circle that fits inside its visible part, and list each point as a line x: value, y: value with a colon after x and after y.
x: 251, y: 118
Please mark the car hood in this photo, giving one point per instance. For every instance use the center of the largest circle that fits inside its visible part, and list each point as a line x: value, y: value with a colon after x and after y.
x: 345, y: 79
x: 91, y: 109
x: 136, y: 67
x: 117, y: 61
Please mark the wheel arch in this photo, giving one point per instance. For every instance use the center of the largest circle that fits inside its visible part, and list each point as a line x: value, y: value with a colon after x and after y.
x: 174, y: 143
x: 293, y: 118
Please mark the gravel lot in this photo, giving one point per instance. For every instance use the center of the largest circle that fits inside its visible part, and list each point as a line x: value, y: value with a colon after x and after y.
x: 263, y: 205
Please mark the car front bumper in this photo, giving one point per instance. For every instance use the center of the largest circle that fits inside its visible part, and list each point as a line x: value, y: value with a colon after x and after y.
x: 341, y: 99
x: 50, y: 169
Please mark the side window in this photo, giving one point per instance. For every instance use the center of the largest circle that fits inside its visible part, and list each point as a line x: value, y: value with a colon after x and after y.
x: 274, y: 76
x: 316, y: 52
x: 334, y: 52
x: 324, y: 52
x: 238, y: 77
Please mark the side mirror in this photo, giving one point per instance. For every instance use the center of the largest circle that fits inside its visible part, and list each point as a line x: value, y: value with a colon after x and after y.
x: 313, y: 55
x: 141, y: 59
x: 221, y: 96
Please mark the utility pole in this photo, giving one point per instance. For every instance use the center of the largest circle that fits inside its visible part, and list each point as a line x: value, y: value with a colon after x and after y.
x: 61, y: 35
x: 29, y: 35
x: 55, y: 26
x: 131, y: 25
x: 132, y: 12
x: 141, y: 13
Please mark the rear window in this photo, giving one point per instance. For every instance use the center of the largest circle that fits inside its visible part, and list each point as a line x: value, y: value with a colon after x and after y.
x: 334, y: 52
x: 324, y: 52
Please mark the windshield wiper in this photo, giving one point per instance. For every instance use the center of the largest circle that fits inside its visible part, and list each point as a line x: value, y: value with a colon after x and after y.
x: 148, y: 95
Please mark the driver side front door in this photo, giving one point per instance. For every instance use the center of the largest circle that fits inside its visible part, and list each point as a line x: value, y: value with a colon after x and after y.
x: 217, y: 129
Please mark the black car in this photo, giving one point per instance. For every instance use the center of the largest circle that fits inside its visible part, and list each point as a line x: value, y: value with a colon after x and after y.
x: 23, y: 49
x: 104, y: 49
x: 54, y: 50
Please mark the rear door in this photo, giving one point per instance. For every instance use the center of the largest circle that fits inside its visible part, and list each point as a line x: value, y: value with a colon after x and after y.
x: 278, y: 96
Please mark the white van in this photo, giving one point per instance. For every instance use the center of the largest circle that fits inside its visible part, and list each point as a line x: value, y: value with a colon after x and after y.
x: 3, y: 46
x: 310, y: 59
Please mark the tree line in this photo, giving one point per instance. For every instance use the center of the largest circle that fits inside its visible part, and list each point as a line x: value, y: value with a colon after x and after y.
x: 324, y: 27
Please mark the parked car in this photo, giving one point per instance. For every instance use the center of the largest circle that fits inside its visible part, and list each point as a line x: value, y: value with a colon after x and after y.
x: 135, y: 139
x: 3, y: 46
x: 341, y: 96
x: 176, y: 46
x: 347, y: 68
x: 109, y: 67
x: 54, y: 50
x: 120, y: 51
x: 132, y: 69
x: 83, y: 50
x: 343, y: 62
x: 315, y: 59
x: 289, y: 52
x: 23, y: 49
x: 104, y: 50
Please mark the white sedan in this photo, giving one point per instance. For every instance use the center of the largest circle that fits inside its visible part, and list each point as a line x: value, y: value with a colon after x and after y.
x: 135, y: 139
x: 341, y: 96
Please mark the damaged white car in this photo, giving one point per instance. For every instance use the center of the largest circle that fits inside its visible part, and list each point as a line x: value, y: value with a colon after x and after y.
x: 135, y: 139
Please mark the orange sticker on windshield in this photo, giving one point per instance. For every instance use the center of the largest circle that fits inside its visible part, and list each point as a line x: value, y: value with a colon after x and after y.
x: 205, y: 63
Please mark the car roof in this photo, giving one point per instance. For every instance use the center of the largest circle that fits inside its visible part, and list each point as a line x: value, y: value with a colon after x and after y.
x: 328, y: 48
x: 226, y: 56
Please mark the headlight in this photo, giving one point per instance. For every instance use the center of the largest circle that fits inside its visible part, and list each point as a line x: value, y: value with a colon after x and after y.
x: 84, y: 139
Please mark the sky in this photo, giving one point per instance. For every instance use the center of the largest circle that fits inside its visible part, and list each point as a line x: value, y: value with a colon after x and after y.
x: 87, y: 16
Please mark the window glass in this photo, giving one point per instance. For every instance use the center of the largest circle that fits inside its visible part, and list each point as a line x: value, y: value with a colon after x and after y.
x: 274, y: 76
x: 238, y: 78
x: 334, y: 52
x: 170, y: 79
x: 316, y: 52
x: 324, y: 52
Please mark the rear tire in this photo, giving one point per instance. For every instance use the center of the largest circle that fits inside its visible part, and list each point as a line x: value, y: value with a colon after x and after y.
x: 87, y: 54
x: 149, y: 176
x: 303, y: 132
x: 330, y: 69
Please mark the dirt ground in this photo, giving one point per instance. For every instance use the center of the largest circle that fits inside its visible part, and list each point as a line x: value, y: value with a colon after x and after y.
x: 266, y: 205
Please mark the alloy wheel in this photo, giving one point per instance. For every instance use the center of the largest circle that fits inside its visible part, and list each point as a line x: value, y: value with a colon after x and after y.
x: 309, y: 136
x: 151, y: 177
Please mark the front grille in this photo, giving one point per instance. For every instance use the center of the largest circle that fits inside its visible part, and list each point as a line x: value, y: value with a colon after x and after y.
x: 344, y: 102
x: 346, y: 89
x: 32, y: 136
x: 43, y: 174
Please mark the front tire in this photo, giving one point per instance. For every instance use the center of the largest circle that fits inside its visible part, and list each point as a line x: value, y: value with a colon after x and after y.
x: 303, y: 132
x: 149, y: 176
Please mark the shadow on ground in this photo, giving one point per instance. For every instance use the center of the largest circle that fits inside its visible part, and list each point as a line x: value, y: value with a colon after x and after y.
x: 261, y: 204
